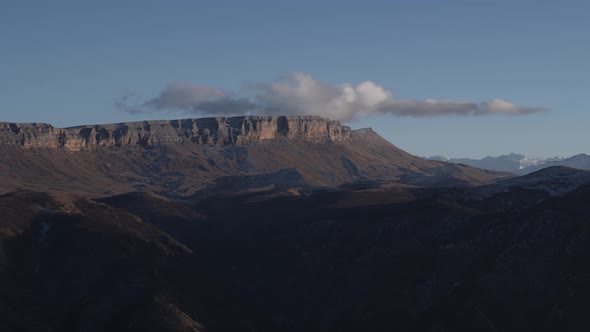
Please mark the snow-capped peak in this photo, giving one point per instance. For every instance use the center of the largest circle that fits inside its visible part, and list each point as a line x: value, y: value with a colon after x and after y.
x: 531, y: 161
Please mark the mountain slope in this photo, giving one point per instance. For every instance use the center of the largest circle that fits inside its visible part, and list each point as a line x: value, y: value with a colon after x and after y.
x: 182, y: 157
x: 70, y: 264
x: 405, y: 259
x: 326, y: 230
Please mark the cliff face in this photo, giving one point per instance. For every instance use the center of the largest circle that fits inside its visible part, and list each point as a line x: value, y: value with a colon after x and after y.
x: 242, y: 130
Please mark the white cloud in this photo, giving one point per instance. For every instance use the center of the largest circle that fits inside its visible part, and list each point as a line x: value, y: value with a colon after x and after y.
x: 300, y: 93
x: 500, y: 106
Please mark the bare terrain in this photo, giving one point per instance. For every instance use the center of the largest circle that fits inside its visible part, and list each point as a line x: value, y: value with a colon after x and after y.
x: 279, y: 224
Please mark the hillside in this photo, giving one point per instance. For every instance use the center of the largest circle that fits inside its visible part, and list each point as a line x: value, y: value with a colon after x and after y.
x: 183, y: 157
x: 278, y: 224
x: 505, y: 257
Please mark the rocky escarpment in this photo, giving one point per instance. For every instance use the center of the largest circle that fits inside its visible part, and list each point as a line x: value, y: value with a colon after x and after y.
x: 185, y: 157
x: 241, y: 130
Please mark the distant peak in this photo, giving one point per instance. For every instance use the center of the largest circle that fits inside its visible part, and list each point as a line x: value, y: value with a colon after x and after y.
x: 516, y: 155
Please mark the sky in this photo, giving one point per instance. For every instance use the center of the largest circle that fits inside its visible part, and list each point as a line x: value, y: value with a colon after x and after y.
x: 453, y: 78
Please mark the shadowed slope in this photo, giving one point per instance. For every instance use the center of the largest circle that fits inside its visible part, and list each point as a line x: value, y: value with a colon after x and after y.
x: 69, y: 264
x: 365, y: 258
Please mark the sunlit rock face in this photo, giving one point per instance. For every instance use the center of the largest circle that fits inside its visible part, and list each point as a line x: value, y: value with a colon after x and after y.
x: 187, y: 156
x: 241, y: 130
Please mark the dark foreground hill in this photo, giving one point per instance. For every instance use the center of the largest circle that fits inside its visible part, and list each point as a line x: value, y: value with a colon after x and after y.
x: 355, y: 258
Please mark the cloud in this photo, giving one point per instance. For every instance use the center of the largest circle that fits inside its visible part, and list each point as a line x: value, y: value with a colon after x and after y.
x: 301, y: 94
x: 499, y: 106
x: 182, y: 95
x: 199, y: 99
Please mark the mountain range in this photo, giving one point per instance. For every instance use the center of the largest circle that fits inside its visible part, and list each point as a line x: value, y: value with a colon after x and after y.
x: 519, y: 164
x: 279, y: 223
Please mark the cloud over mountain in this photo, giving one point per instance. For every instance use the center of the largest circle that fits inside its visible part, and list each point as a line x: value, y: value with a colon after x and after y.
x: 300, y: 94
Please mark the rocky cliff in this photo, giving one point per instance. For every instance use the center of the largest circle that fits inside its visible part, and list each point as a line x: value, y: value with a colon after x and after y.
x: 186, y: 157
x: 241, y: 130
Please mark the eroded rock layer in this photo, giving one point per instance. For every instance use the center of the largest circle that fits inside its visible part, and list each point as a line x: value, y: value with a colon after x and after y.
x: 241, y: 130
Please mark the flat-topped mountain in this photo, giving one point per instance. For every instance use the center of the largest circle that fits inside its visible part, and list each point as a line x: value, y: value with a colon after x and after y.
x: 241, y: 130
x: 184, y: 157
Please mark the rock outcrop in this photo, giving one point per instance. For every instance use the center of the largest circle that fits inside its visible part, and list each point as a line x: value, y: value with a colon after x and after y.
x: 186, y: 157
x: 241, y: 130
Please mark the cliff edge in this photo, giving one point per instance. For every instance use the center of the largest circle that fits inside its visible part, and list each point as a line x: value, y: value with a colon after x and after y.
x: 242, y: 130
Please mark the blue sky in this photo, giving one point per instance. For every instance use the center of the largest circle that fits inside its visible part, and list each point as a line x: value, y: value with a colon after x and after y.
x: 69, y: 62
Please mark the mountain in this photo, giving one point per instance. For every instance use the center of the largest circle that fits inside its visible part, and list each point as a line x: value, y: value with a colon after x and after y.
x: 71, y: 264
x: 506, y: 163
x: 554, y: 180
x: 279, y: 224
x: 580, y: 161
x: 518, y: 163
x: 183, y: 157
x: 510, y: 256
x: 528, y: 190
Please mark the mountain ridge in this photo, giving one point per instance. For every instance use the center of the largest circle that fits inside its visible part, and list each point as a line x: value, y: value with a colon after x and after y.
x: 520, y: 164
x: 183, y: 157
x: 241, y: 130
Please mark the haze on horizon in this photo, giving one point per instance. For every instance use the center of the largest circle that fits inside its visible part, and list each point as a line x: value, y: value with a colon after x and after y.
x: 460, y: 79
